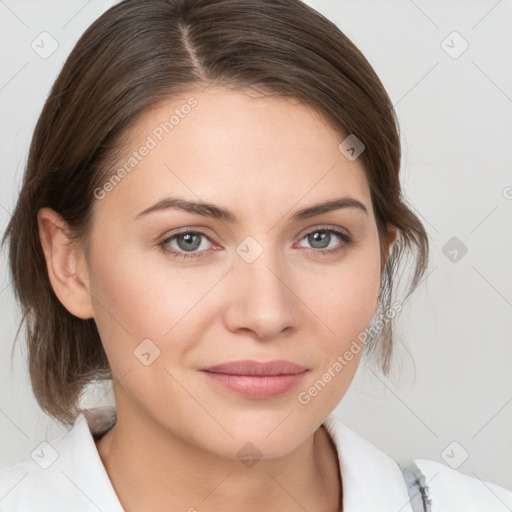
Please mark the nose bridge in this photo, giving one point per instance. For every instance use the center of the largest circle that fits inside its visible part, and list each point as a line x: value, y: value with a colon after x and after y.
x: 262, y: 297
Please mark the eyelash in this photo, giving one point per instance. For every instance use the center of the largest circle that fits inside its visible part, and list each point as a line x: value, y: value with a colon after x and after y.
x: 325, y: 252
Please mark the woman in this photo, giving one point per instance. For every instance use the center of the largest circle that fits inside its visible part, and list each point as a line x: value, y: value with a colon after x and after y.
x: 211, y: 216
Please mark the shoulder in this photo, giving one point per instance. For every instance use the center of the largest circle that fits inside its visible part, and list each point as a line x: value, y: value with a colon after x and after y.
x: 380, y: 482
x: 30, y: 482
x: 58, y: 476
x: 450, y: 489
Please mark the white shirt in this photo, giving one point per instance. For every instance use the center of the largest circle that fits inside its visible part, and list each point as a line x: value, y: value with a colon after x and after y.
x: 67, y: 475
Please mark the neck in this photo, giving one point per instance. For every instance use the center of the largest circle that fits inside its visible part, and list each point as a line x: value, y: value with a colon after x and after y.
x: 161, y: 471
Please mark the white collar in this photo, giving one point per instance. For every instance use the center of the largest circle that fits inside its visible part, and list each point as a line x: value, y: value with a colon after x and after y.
x: 89, y: 473
x: 372, y: 481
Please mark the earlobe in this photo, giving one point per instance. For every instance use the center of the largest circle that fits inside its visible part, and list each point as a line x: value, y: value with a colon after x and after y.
x: 65, y: 263
x: 392, y: 235
x: 389, y: 241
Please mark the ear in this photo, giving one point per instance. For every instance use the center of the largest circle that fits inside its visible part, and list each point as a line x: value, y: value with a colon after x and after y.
x: 66, y: 264
x: 388, y: 242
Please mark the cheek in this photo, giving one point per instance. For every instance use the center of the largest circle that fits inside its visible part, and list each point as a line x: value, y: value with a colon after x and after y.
x: 131, y: 302
x: 345, y: 303
x: 141, y: 295
x: 346, y: 296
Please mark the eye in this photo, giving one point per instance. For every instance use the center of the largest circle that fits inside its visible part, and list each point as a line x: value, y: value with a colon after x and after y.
x: 321, y: 239
x: 186, y: 241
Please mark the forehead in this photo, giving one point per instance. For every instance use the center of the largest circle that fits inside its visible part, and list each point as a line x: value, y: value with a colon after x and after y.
x: 236, y: 148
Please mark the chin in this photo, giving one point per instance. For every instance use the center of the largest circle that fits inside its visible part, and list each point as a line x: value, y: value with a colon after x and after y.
x: 265, y: 436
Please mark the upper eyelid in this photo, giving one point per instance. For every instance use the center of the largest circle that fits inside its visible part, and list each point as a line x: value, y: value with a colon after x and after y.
x: 321, y: 227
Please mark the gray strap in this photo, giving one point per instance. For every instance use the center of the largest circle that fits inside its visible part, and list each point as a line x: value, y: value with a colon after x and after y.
x: 417, y: 488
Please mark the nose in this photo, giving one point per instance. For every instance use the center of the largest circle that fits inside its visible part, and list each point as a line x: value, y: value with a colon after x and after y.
x: 262, y: 297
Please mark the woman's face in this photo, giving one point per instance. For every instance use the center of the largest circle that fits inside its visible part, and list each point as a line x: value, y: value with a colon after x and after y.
x: 260, y: 286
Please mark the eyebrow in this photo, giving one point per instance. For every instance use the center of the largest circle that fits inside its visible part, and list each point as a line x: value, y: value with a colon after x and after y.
x: 217, y: 212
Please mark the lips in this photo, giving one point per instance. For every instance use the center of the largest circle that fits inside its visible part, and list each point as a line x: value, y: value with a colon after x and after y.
x: 255, y: 368
x: 256, y: 380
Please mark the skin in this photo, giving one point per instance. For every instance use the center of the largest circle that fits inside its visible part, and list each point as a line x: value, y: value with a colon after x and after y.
x: 175, y: 443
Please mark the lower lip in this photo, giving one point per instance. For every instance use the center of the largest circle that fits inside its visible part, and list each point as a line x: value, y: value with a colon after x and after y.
x: 258, y: 387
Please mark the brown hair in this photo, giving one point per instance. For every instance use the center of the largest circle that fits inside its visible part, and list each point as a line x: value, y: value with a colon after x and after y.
x: 140, y: 53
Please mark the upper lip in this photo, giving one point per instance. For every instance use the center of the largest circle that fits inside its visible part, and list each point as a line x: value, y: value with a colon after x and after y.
x: 247, y: 367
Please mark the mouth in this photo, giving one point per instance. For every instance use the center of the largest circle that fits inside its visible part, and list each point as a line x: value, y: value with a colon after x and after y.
x: 256, y: 380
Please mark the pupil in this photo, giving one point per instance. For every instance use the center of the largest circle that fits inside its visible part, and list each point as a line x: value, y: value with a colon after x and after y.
x: 322, y: 237
x: 190, y: 242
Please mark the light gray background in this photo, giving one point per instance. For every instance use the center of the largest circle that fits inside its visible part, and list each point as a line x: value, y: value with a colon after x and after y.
x: 456, y: 121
